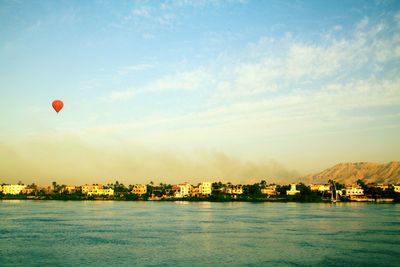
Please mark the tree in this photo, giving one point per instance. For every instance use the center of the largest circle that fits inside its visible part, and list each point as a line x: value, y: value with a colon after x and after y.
x: 339, y: 186
x: 361, y: 184
x: 306, y: 194
x: 33, y: 186
x: 281, y: 189
x: 56, y: 187
x: 120, y: 188
x: 150, y: 188
x: 375, y: 192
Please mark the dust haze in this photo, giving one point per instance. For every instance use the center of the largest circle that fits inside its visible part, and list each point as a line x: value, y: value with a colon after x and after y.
x: 70, y: 160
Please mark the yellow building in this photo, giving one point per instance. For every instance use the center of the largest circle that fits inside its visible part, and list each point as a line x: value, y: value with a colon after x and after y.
x: 292, y: 191
x: 183, y: 190
x: 233, y: 190
x: 27, y: 190
x: 269, y: 190
x: 396, y: 188
x: 202, y: 189
x: 205, y: 188
x: 96, y: 190
x: 89, y: 188
x: 354, y: 192
x: 139, y: 189
x: 68, y: 189
x: 101, y: 192
x: 195, y: 191
x: 12, y: 189
x: 383, y: 186
x: 320, y: 187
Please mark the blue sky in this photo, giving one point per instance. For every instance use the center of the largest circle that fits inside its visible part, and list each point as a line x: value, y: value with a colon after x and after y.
x: 192, y: 90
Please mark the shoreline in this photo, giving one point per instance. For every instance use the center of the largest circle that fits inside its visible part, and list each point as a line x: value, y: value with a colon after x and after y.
x: 271, y: 200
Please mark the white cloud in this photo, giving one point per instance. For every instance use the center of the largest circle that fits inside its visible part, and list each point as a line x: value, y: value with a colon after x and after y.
x: 134, y: 68
x: 362, y: 24
x: 397, y: 17
x: 189, y: 80
x: 122, y: 95
x: 198, y: 3
x: 183, y: 81
x: 167, y: 20
x: 286, y: 114
x: 297, y: 64
x: 143, y: 11
x: 306, y: 86
x: 147, y: 21
x: 337, y: 28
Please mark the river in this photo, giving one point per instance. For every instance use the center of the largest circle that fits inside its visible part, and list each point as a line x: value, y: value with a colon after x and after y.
x: 117, y: 233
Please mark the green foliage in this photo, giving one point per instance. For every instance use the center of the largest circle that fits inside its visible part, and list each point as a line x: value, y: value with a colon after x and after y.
x: 218, y: 185
x: 120, y: 188
x: 362, y: 184
x: 220, y: 198
x: 132, y: 197
x: 251, y: 192
x: 281, y: 189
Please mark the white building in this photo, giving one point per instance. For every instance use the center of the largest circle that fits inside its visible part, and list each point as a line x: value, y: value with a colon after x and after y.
x: 101, y: 192
x: 195, y: 191
x: 292, y: 191
x: 237, y: 190
x: 12, y: 189
x: 320, y: 187
x: 354, y: 191
x: 68, y: 189
x: 205, y: 188
x: 233, y: 190
x: 396, y: 188
x: 97, y: 190
x: 183, y: 191
x: 93, y: 187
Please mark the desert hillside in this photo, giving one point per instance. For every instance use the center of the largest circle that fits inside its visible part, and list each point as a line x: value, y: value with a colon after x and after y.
x: 349, y: 173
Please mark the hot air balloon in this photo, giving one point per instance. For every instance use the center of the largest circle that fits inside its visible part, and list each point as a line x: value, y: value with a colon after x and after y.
x: 57, y: 105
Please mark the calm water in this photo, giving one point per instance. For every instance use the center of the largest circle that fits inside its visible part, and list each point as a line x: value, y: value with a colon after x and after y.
x: 56, y: 233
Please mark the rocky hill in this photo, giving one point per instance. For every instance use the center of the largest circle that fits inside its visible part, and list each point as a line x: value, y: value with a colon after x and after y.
x: 349, y: 173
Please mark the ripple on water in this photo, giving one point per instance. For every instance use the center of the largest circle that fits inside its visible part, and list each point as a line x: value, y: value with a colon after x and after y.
x: 197, y: 234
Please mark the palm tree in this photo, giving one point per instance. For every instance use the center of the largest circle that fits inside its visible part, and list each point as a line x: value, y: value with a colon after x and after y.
x: 33, y: 186
x: 361, y: 183
x: 263, y: 184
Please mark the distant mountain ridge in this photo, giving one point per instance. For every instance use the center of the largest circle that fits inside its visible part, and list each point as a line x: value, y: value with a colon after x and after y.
x: 349, y: 173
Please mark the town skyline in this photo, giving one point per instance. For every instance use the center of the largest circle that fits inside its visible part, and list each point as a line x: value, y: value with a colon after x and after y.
x: 330, y: 191
x: 176, y: 89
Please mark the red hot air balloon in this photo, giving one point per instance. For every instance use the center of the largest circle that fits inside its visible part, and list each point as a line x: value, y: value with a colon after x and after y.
x: 57, y: 105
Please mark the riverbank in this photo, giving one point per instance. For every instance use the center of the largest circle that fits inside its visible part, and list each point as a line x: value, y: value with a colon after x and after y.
x: 204, y: 199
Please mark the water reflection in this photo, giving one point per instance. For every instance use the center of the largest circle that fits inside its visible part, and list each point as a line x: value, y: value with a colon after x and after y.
x: 202, y: 233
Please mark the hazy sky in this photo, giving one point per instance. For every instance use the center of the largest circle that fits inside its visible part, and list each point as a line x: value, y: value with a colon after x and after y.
x: 196, y: 90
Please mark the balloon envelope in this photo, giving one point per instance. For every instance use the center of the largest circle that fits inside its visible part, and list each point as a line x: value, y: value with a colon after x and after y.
x: 57, y: 105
